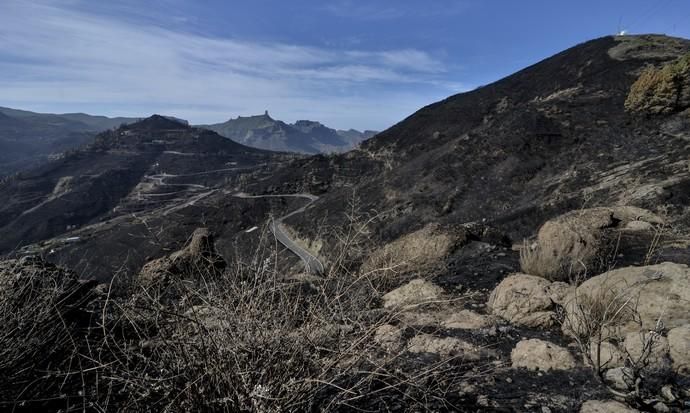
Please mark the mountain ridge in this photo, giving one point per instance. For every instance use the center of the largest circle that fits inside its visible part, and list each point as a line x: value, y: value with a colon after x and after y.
x: 303, y: 136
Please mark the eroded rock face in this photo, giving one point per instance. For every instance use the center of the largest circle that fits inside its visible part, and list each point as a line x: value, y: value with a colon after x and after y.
x: 197, y: 261
x: 535, y: 354
x: 649, y: 294
x: 415, y: 292
x: 526, y: 300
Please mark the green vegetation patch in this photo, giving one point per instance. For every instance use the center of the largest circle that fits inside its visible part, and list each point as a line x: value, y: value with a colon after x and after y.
x: 661, y: 90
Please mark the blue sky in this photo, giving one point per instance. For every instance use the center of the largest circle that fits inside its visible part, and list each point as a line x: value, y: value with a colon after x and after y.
x: 346, y: 63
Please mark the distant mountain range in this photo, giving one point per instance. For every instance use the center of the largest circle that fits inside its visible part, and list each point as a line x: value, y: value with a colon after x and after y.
x: 28, y: 138
x: 303, y: 136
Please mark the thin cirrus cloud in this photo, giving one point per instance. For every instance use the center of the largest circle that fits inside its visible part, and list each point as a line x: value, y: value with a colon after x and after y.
x: 55, y: 56
x: 395, y: 9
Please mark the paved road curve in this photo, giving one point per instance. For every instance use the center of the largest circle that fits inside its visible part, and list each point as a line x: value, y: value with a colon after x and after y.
x: 311, y: 263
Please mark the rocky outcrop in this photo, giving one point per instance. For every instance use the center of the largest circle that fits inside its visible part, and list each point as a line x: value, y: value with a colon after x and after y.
x: 535, y: 354
x: 197, y: 261
x: 527, y: 300
x: 636, y: 298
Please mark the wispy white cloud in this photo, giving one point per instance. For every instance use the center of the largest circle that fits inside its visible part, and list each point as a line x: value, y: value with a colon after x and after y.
x: 54, y: 54
x: 395, y: 9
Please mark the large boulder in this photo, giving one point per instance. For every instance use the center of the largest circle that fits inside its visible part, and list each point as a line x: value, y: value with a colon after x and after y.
x: 631, y: 299
x: 579, y: 243
x: 198, y: 261
x: 679, y: 348
x: 527, y: 300
x: 414, y: 293
x: 535, y: 354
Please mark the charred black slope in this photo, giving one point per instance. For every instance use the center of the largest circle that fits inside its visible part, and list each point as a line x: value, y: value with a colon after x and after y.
x: 140, y: 167
x: 304, y: 136
x: 550, y: 138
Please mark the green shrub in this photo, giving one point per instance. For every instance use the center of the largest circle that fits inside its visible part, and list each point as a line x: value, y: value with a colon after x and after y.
x: 661, y: 90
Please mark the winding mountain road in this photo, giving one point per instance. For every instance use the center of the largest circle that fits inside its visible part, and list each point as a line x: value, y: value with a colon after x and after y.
x: 311, y: 264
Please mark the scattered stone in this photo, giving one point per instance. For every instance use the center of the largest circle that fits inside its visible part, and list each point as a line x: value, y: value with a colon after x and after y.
x: 640, y: 226
x: 667, y: 393
x: 447, y: 346
x: 607, y: 406
x: 535, y: 354
x: 388, y: 336
x: 523, y: 299
x: 661, y: 407
x: 468, y: 320
x: 620, y: 378
x: 679, y: 348
x: 415, y: 292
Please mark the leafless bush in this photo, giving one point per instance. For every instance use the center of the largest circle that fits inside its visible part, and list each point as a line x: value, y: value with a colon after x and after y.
x: 43, y: 319
x: 253, y: 339
x: 596, y: 322
x: 254, y: 343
